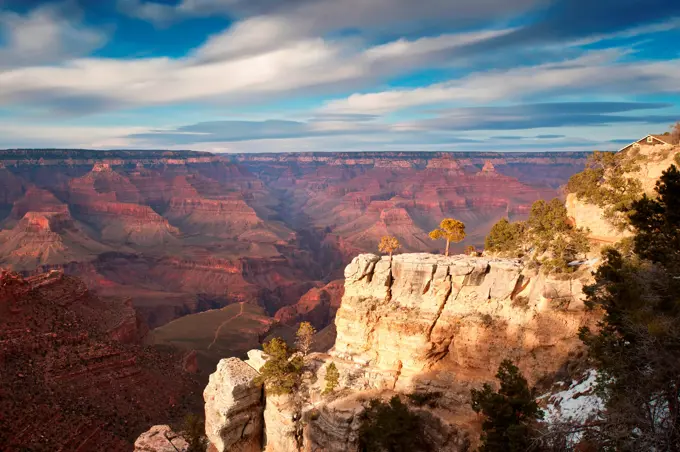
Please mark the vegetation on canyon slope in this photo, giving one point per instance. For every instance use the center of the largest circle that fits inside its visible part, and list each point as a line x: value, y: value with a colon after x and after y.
x: 509, y: 413
x: 637, y: 347
x: 605, y: 182
x: 546, y: 237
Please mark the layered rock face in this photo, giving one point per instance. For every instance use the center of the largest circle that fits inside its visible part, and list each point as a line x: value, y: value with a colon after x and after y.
x: 413, y: 319
x: 423, y: 323
x: 233, y: 408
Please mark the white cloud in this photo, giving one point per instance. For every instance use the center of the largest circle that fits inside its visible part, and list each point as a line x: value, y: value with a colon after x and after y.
x: 45, y: 35
x: 255, y: 57
x: 595, y: 72
x: 14, y: 134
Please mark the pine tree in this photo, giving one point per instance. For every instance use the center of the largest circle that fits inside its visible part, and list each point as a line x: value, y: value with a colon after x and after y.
x: 391, y: 427
x: 305, y: 337
x: 451, y: 230
x: 332, y: 378
x: 509, y: 414
x: 637, y: 346
x: 281, y: 372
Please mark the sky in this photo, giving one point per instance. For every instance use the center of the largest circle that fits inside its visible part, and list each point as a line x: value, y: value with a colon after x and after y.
x: 337, y: 75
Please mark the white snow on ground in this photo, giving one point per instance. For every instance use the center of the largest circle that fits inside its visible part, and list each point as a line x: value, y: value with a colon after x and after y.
x: 576, y: 404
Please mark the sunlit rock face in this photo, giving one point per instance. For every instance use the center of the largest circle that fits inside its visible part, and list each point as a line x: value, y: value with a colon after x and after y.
x: 415, y: 319
x: 651, y: 162
x: 428, y: 323
x: 233, y: 408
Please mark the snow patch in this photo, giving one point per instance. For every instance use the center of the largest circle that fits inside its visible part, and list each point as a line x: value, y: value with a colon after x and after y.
x: 576, y: 404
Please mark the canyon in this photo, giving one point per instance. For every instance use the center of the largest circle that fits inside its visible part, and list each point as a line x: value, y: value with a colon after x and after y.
x: 179, y: 233
x: 172, y: 260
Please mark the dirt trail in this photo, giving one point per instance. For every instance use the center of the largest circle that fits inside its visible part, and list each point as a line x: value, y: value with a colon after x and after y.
x: 219, y: 328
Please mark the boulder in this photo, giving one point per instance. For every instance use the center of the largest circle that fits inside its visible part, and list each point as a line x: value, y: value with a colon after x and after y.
x: 160, y: 438
x: 233, y: 407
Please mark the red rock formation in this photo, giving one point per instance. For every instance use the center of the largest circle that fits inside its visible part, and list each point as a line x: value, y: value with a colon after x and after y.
x: 66, y: 382
x: 181, y: 232
x: 318, y: 306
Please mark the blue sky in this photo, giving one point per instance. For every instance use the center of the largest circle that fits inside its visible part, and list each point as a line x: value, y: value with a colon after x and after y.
x: 337, y: 75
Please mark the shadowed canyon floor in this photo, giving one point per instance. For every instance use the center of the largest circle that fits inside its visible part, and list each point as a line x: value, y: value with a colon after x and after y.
x: 179, y: 232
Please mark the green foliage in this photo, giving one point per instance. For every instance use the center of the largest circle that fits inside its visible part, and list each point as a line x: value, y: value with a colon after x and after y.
x: 505, y: 237
x: 547, y: 234
x: 332, y: 378
x: 193, y: 432
x: 604, y: 182
x: 282, y: 371
x: 304, y: 337
x: 637, y: 345
x: 391, y: 427
x: 509, y: 414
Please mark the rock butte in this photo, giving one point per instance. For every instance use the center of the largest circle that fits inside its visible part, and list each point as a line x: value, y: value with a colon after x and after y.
x: 413, y: 323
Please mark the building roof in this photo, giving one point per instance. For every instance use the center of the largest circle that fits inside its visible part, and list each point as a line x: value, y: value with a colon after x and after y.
x: 667, y: 139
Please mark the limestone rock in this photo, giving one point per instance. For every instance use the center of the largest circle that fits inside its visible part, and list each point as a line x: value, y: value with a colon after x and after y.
x: 590, y: 216
x: 233, y: 407
x: 280, y: 425
x: 256, y: 359
x: 423, y: 312
x: 160, y: 438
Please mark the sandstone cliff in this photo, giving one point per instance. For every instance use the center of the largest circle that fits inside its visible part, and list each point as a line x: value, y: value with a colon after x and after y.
x: 652, y: 162
x: 416, y: 323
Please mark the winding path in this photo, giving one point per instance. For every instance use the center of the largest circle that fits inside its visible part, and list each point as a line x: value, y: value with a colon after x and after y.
x: 219, y: 328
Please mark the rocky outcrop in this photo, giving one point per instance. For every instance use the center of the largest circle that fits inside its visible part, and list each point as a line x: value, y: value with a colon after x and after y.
x: 652, y: 161
x: 591, y: 217
x: 233, y: 408
x: 160, y: 438
x: 409, y: 319
x: 419, y: 323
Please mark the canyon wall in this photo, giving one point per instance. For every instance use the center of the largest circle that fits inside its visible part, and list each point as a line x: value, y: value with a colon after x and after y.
x: 179, y: 233
x: 419, y: 323
x: 652, y: 160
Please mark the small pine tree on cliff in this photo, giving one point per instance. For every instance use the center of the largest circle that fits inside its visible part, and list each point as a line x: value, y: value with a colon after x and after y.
x: 637, y: 345
x: 509, y: 413
x: 281, y: 373
x: 332, y: 378
x: 389, y: 245
x: 305, y: 337
x: 451, y: 230
x: 391, y: 427
x: 505, y: 237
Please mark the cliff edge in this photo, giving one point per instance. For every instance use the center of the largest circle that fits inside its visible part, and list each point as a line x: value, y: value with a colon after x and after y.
x: 411, y: 324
